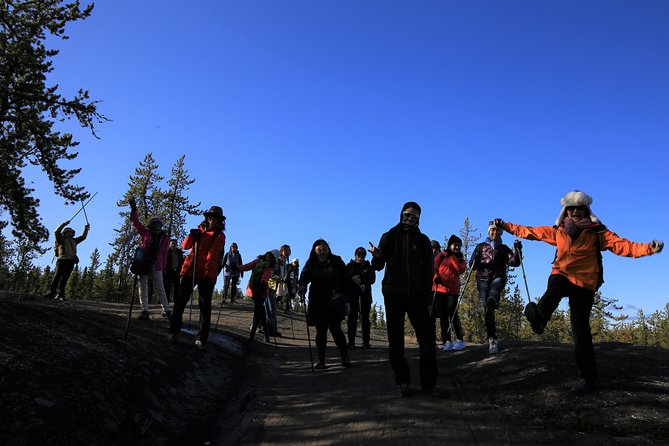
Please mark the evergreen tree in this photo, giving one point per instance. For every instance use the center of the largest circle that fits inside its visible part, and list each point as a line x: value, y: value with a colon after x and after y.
x: 470, y: 310
x: 29, y: 108
x: 178, y: 205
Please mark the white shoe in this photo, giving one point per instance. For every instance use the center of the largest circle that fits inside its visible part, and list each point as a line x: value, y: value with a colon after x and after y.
x: 448, y: 346
x: 493, y: 346
x: 199, y: 345
x: 458, y: 345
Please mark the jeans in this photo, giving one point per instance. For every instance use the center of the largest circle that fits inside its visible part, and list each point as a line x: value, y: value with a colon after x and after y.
x: 490, y: 291
x: 270, y: 303
x: 446, y: 306
x: 230, y: 283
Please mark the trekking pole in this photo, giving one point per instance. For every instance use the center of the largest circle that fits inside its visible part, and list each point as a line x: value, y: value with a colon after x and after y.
x: 192, y: 288
x: 85, y: 215
x: 522, y: 267
x: 132, y: 301
x: 457, y: 304
x: 219, y: 315
x: 83, y: 205
x: 268, y: 324
x: 306, y: 320
x: 292, y: 330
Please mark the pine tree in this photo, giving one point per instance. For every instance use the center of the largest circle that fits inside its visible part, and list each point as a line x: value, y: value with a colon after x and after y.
x: 29, y: 108
x: 470, y: 310
x: 178, y: 205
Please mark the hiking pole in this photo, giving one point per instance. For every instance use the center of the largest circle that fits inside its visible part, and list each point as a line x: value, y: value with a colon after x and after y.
x: 192, y: 289
x: 219, y: 315
x: 522, y: 267
x: 292, y: 330
x: 132, y: 301
x: 268, y: 324
x: 83, y: 205
x: 457, y: 304
x: 85, y: 215
x: 306, y: 320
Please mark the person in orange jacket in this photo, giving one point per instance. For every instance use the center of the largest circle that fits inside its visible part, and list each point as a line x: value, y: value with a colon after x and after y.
x: 577, y: 273
x: 206, y: 243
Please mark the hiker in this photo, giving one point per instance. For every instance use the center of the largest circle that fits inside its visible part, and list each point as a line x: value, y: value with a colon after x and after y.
x: 448, y: 266
x: 406, y: 254
x: 490, y: 260
x: 278, y: 288
x: 363, y: 276
x: 201, y: 267
x: 577, y: 273
x: 154, y: 243
x: 328, y: 299
x: 293, y: 276
x: 262, y: 268
x: 66, y: 254
x: 174, y: 262
x: 231, y: 261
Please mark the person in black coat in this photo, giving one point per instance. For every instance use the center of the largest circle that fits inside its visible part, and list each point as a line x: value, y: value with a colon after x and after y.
x: 406, y: 254
x: 362, y: 277
x: 174, y: 262
x: 328, y: 299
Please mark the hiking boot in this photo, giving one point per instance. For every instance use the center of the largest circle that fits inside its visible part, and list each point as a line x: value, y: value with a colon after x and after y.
x: 405, y: 390
x: 448, y: 346
x: 321, y: 366
x: 143, y: 316
x: 535, y: 317
x: 436, y: 392
x: 172, y: 338
x: 582, y: 386
x: 458, y: 345
x: 493, y: 346
x: 199, y: 344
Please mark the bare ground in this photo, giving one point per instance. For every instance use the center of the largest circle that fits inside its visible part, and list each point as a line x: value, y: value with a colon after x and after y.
x: 68, y: 377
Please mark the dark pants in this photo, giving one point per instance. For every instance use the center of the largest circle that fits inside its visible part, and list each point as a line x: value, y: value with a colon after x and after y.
x: 334, y: 324
x: 490, y: 291
x: 171, y: 281
x: 205, y: 290
x: 580, y: 307
x: 446, y: 307
x: 259, y: 316
x: 361, y: 304
x: 397, y: 305
x: 230, y: 283
x: 61, y: 274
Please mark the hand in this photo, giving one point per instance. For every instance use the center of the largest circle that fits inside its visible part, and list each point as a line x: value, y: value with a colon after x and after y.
x: 195, y: 234
x: 437, y: 280
x: 376, y: 252
x: 347, y: 308
x: 499, y: 223
x: 518, y: 245
x: 133, y: 204
x: 657, y: 246
x: 87, y: 226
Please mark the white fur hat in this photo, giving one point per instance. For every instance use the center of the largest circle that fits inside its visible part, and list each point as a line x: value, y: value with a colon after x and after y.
x: 575, y: 198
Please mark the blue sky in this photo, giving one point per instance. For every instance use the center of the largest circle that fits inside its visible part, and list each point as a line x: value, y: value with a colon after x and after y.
x: 308, y: 119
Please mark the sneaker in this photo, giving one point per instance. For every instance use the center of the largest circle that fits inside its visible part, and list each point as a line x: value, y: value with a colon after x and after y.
x: 448, y: 346
x: 583, y: 386
x: 458, y: 345
x: 535, y: 317
x: 405, y: 390
x: 143, y: 316
x: 320, y: 366
x: 493, y: 346
x: 172, y: 338
x: 199, y: 344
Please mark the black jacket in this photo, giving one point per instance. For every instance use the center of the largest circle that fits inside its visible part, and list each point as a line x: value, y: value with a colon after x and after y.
x: 329, y: 280
x: 366, y: 273
x: 407, y: 257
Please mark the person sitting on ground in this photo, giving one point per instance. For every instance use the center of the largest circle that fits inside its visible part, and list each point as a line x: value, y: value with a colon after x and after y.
x: 491, y: 260
x: 328, y: 298
x: 154, y: 242
x: 448, y: 266
x: 66, y: 253
x: 577, y: 273
x: 200, y: 268
x: 363, y: 277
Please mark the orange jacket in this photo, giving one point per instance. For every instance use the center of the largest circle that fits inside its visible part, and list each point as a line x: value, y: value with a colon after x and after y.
x: 577, y: 259
x: 448, y: 268
x: 208, y: 251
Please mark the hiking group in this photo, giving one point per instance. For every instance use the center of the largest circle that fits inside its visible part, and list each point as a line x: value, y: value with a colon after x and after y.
x: 421, y: 282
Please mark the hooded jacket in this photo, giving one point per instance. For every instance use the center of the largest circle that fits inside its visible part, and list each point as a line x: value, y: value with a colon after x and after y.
x: 448, y: 266
x: 407, y: 257
x: 577, y: 259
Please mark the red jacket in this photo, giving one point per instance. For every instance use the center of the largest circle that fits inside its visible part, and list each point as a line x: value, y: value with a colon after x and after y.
x: 448, y: 267
x: 208, y: 251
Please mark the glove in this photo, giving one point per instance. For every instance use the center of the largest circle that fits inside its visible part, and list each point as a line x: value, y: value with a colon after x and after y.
x: 657, y: 246
x: 133, y: 204
x: 347, y: 308
x: 87, y: 226
x: 518, y: 245
x: 437, y: 280
x: 499, y: 223
x: 195, y: 234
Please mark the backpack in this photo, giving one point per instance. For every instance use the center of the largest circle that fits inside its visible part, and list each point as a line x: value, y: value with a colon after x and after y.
x: 598, y: 230
x: 255, y: 281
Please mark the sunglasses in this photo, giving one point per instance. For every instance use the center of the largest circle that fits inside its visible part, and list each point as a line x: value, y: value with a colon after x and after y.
x: 410, y: 215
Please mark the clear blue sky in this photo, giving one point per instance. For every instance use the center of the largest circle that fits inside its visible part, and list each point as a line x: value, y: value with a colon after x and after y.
x: 307, y: 119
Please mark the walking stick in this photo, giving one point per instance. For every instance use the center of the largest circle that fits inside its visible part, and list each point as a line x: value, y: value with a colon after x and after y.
x: 306, y: 320
x: 83, y: 205
x: 84, y: 209
x: 292, y: 330
x: 192, y: 288
x: 522, y: 267
x: 132, y: 301
x: 219, y: 314
x: 457, y: 304
x: 268, y: 325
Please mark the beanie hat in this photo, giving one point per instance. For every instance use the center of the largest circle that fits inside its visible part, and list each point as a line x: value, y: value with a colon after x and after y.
x: 575, y: 198
x: 491, y: 225
x: 454, y: 239
x: 155, y: 219
x: 435, y: 244
x: 411, y: 204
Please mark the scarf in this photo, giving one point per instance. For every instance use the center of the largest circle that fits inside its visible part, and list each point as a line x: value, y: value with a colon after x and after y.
x: 574, y: 228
